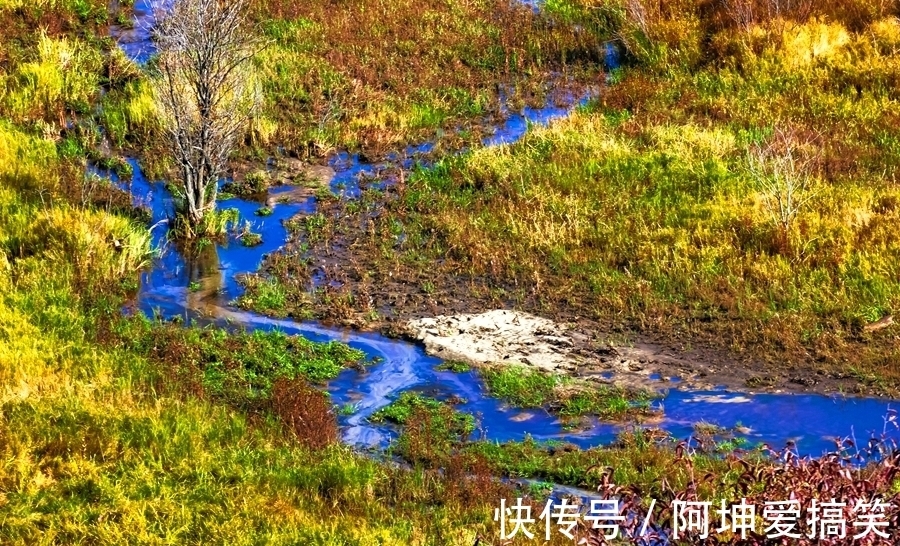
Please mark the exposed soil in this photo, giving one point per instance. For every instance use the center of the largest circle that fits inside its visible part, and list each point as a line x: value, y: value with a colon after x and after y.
x: 286, y: 171
x: 340, y: 274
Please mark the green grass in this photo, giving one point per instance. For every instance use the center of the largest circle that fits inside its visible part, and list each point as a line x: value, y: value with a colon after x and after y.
x: 254, y: 183
x: 454, y: 366
x: 647, y: 464
x: 124, y: 431
x: 238, y: 366
x: 121, y: 430
x: 521, y: 386
x: 641, y: 458
x: 571, y: 398
x: 432, y: 429
x: 652, y: 205
x: 264, y: 295
x: 250, y: 238
x: 401, y: 410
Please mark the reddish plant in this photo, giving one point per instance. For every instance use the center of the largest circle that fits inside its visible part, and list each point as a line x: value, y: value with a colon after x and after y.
x: 811, y: 486
x: 306, y: 411
x: 470, y: 482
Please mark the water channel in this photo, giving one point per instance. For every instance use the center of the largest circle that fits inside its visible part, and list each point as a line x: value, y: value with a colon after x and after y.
x: 810, y: 421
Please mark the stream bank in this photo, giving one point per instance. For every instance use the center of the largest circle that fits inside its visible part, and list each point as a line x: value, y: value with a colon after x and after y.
x: 201, y: 288
x: 204, y: 287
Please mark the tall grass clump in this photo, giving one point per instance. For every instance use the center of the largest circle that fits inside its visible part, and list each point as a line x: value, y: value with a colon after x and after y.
x: 59, y: 80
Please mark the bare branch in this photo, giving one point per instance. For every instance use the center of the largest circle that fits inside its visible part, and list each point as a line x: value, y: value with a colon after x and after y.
x: 204, y: 90
x: 783, y: 177
x: 643, y: 13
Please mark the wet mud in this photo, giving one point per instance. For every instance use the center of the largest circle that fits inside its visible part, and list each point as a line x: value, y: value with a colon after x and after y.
x: 203, y: 286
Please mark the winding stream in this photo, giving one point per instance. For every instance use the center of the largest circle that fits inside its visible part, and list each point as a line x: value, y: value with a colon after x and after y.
x: 202, y: 288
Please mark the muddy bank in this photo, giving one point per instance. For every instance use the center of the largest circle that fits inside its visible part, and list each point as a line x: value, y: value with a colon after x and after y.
x: 353, y: 269
x: 506, y: 337
x: 503, y: 336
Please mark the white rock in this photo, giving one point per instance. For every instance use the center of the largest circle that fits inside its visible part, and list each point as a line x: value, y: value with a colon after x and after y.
x: 498, y: 336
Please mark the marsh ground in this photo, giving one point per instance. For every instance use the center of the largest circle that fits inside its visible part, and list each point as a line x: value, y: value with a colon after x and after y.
x: 124, y: 430
x: 727, y: 201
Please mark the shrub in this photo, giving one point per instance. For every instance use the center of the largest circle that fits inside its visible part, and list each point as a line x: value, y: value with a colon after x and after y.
x: 783, y: 477
x: 305, y: 411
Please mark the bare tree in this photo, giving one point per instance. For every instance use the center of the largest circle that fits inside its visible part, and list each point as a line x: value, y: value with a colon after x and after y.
x: 741, y: 12
x: 783, y: 177
x: 204, y: 91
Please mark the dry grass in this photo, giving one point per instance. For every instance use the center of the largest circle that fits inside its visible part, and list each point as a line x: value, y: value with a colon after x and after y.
x: 646, y: 212
x: 306, y: 411
x: 377, y: 75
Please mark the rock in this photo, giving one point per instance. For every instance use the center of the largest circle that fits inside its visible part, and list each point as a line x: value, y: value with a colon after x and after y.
x: 498, y: 336
x: 521, y: 417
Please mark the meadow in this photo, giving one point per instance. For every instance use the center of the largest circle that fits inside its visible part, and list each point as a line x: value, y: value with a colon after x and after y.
x: 119, y: 429
x: 376, y: 76
x: 733, y: 187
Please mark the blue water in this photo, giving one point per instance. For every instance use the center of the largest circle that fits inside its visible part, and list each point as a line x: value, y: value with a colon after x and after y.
x: 136, y: 42
x: 810, y: 421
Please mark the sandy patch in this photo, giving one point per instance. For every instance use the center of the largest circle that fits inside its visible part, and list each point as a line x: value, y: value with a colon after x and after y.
x: 499, y: 336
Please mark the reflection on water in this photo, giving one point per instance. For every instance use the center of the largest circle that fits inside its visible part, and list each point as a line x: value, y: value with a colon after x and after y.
x: 135, y: 39
x: 812, y: 421
x: 202, y: 285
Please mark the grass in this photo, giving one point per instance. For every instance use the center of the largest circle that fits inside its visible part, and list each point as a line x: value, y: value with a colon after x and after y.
x: 454, y: 366
x: 120, y: 430
x: 253, y: 183
x: 522, y: 386
x: 329, y: 78
x: 269, y: 296
x: 656, y: 208
x: 242, y: 365
x: 377, y: 77
x: 433, y: 434
x: 123, y: 430
x: 409, y: 403
x: 249, y: 238
x: 572, y: 398
x: 646, y: 462
x: 432, y: 430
